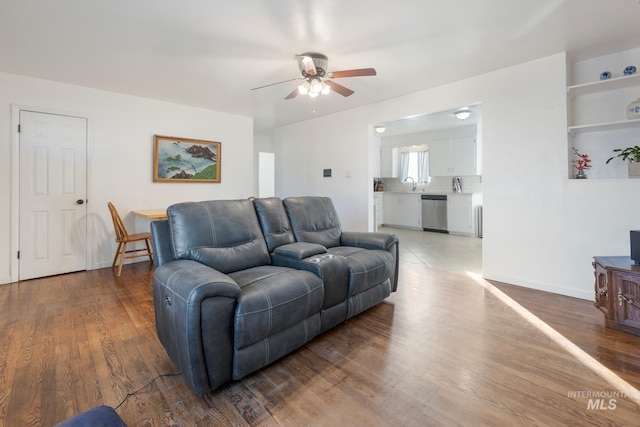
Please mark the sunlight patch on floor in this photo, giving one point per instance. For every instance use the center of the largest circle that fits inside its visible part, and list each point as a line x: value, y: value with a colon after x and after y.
x: 598, y: 368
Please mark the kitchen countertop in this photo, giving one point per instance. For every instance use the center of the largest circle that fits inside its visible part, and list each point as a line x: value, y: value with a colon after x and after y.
x: 431, y: 193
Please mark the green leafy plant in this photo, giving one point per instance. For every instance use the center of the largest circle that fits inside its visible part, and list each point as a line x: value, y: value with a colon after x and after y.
x: 629, y: 154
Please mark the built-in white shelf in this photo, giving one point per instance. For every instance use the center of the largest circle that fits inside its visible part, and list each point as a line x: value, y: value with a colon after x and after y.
x: 598, y: 127
x: 596, y: 113
x: 604, y: 85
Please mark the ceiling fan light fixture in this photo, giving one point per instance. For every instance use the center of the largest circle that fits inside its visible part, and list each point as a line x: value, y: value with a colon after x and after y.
x: 303, y: 89
x: 463, y: 113
x: 325, y: 88
x: 315, y: 87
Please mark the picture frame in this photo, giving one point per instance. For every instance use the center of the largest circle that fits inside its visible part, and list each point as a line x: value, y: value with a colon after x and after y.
x: 185, y: 160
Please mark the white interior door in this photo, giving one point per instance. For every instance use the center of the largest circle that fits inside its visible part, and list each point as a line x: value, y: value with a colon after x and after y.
x: 53, y: 209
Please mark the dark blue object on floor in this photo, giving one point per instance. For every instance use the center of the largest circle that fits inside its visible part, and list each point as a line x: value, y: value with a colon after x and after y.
x: 102, y: 416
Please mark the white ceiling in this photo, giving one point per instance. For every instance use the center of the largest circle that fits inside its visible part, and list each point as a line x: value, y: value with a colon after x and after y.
x: 209, y: 53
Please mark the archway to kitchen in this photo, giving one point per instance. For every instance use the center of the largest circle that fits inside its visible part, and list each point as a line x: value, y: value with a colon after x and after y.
x: 427, y: 186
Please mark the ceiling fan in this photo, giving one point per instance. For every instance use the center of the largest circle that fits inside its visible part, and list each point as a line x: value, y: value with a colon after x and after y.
x: 317, y: 80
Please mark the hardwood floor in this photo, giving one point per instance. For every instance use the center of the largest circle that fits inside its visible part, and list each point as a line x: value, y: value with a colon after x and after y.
x: 446, y: 349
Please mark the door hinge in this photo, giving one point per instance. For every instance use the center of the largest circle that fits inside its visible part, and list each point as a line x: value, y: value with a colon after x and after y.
x: 18, y: 254
x: 18, y: 128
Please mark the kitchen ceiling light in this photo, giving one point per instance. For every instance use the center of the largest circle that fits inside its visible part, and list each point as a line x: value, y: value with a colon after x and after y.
x: 463, y: 114
x: 380, y: 128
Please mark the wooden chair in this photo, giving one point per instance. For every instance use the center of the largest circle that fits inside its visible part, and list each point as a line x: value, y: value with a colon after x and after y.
x: 122, y: 237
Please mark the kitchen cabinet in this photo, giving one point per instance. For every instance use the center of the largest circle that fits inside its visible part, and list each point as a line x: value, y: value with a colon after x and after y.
x: 403, y: 210
x: 378, y: 210
x: 617, y: 292
x: 453, y: 156
x: 389, y: 162
x: 461, y: 213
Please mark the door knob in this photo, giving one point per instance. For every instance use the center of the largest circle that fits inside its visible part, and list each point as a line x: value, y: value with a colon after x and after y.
x: 79, y: 202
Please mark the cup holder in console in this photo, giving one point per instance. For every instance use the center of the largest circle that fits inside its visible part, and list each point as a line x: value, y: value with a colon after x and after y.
x: 321, y: 258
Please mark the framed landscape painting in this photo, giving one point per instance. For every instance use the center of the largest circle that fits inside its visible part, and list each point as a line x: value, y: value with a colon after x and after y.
x: 185, y: 160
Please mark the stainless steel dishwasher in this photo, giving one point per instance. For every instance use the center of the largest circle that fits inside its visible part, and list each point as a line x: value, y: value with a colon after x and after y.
x: 434, y: 212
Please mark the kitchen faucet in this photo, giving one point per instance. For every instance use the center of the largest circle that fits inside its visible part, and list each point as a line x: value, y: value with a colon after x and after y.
x: 413, y: 181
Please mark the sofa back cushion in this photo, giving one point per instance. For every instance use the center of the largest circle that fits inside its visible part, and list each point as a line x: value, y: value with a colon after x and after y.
x: 274, y: 221
x: 223, y: 234
x: 314, y: 220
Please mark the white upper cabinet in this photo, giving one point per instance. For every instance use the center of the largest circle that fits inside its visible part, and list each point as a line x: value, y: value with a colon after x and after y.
x: 389, y: 162
x: 453, y: 156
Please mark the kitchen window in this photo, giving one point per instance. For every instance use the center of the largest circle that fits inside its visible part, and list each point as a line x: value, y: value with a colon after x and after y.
x: 414, y: 164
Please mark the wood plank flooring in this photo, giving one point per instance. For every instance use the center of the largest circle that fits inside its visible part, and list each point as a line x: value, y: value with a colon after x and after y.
x: 443, y: 350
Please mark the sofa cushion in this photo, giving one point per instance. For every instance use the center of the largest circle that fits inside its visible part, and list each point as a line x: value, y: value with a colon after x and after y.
x: 274, y: 221
x: 273, y: 299
x: 314, y: 220
x: 223, y: 234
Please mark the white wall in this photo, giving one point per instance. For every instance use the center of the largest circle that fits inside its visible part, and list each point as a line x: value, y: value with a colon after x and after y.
x: 338, y: 142
x: 541, y: 229
x: 121, y: 130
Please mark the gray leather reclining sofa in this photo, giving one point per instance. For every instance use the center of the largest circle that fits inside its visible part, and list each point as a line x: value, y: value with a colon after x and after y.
x: 241, y: 283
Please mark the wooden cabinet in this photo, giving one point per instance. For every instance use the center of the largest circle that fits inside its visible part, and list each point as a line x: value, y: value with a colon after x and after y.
x: 602, y: 300
x: 453, y: 156
x: 627, y: 304
x: 617, y: 292
x: 403, y: 210
x: 461, y: 213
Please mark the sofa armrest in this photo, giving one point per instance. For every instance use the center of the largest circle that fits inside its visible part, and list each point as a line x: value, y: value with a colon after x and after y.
x: 161, y: 242
x: 194, y: 306
x: 300, y: 250
x: 368, y: 240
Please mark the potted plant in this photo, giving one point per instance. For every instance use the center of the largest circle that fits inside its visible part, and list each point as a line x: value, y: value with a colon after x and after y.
x: 582, y: 164
x: 631, y: 155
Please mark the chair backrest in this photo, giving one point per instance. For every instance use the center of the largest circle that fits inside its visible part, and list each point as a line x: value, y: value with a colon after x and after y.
x: 223, y: 234
x: 118, y: 225
x: 314, y: 220
x: 274, y: 222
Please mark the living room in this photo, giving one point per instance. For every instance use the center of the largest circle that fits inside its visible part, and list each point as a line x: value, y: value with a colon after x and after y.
x: 541, y: 229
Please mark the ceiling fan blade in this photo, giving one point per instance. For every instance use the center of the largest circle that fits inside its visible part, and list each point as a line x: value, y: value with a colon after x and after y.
x: 293, y: 94
x: 344, y: 91
x: 307, y: 65
x: 277, y: 83
x: 353, y: 73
